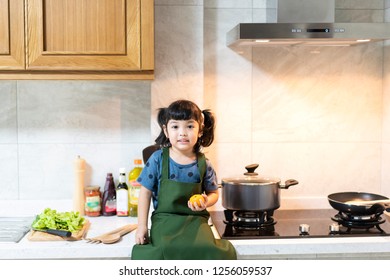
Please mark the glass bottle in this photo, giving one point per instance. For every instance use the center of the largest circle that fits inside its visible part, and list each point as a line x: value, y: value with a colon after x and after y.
x: 122, y: 195
x: 109, y: 197
x: 134, y: 187
x: 92, y: 201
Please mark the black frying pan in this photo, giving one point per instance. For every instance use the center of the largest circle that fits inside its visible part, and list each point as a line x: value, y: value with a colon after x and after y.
x: 339, y: 202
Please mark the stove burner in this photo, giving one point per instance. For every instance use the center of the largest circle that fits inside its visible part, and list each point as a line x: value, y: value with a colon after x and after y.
x: 359, y: 222
x: 288, y: 222
x: 250, y: 219
x: 248, y: 224
x: 231, y: 231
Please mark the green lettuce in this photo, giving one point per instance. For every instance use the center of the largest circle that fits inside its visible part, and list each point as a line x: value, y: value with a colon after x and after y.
x: 51, y: 219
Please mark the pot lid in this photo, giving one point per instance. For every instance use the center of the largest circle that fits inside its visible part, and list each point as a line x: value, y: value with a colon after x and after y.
x: 251, y: 178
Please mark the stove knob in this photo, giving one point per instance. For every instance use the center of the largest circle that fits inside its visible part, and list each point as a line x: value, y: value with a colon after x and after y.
x: 334, y: 228
x: 304, y: 229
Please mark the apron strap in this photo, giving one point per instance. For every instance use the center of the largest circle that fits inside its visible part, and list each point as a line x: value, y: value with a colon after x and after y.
x: 165, y: 166
x: 201, y: 166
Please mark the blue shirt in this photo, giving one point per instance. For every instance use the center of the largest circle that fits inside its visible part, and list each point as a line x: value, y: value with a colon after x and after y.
x: 151, y: 175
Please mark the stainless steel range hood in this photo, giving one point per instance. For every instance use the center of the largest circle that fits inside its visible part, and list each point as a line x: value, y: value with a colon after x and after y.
x: 306, y: 23
x: 307, y: 34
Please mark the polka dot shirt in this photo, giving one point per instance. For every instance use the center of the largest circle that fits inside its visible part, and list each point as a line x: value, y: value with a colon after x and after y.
x: 151, y: 175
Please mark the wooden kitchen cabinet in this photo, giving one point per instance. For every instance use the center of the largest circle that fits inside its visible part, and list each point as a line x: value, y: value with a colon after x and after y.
x: 80, y: 39
x: 12, y: 52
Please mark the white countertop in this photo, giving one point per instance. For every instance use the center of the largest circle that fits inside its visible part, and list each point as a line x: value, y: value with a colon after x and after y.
x: 80, y: 249
x: 293, y: 248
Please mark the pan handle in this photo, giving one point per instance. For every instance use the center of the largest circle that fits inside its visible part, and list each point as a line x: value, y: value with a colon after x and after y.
x: 377, y: 208
x: 289, y: 183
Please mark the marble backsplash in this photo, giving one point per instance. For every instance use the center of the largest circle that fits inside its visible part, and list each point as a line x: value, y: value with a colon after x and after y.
x: 312, y: 114
x: 45, y: 125
x: 319, y: 116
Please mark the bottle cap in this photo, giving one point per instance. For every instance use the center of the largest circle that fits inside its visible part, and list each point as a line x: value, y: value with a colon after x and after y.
x: 122, y: 170
x: 92, y: 188
x: 137, y: 161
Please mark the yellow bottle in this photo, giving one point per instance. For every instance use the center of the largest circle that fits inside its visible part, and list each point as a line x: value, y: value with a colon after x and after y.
x: 134, y: 187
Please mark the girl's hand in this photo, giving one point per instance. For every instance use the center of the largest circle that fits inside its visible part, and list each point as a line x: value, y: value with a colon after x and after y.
x: 141, y: 236
x: 203, y: 204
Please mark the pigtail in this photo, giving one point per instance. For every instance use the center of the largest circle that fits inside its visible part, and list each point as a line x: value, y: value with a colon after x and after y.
x: 161, y: 139
x: 207, y: 137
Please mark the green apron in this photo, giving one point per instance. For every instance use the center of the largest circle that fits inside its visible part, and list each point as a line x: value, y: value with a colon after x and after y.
x: 177, y: 232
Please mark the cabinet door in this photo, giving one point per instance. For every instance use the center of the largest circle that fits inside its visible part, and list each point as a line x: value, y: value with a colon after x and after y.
x: 88, y: 35
x: 12, y: 35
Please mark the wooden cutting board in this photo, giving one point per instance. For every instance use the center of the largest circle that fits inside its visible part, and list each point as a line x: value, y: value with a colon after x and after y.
x: 43, y: 236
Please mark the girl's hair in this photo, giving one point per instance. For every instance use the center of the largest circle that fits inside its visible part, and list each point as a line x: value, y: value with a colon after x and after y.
x: 187, y: 110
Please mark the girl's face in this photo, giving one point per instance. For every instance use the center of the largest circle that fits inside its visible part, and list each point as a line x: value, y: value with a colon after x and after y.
x: 182, y: 134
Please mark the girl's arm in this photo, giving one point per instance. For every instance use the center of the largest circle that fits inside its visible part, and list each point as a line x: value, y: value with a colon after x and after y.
x: 212, y: 198
x: 141, y: 236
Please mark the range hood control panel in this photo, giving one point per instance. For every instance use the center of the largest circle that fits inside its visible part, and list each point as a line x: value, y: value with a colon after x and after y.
x: 318, y: 30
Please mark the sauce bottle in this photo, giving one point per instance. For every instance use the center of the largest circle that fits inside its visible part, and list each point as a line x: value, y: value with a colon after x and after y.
x: 122, y: 195
x: 134, y: 187
x: 109, y: 197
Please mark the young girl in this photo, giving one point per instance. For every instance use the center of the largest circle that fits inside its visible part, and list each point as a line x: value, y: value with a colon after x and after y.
x: 179, y: 229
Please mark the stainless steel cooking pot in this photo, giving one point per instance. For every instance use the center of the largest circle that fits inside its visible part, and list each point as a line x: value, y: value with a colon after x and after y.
x: 251, y: 192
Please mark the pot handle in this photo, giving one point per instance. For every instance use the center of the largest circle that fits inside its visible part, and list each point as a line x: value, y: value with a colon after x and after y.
x: 289, y: 183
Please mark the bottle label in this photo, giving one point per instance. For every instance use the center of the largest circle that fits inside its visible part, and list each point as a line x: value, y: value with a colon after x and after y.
x: 92, y: 203
x: 122, y: 202
x: 122, y: 178
x: 134, y: 195
x: 135, y: 188
x: 110, y: 206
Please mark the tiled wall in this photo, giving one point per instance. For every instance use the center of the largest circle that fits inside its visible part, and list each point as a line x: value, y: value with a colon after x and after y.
x: 359, y: 10
x: 44, y: 125
x: 387, y: 10
x: 314, y: 115
x: 319, y: 117
x: 385, y: 175
x: 323, y: 129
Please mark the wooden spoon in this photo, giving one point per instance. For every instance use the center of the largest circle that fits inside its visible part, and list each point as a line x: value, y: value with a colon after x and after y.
x: 113, y: 236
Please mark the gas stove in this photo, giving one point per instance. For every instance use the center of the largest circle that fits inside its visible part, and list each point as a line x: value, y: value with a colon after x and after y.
x: 303, y: 223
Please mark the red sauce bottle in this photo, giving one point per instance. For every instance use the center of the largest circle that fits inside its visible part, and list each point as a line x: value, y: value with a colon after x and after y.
x: 109, y: 197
